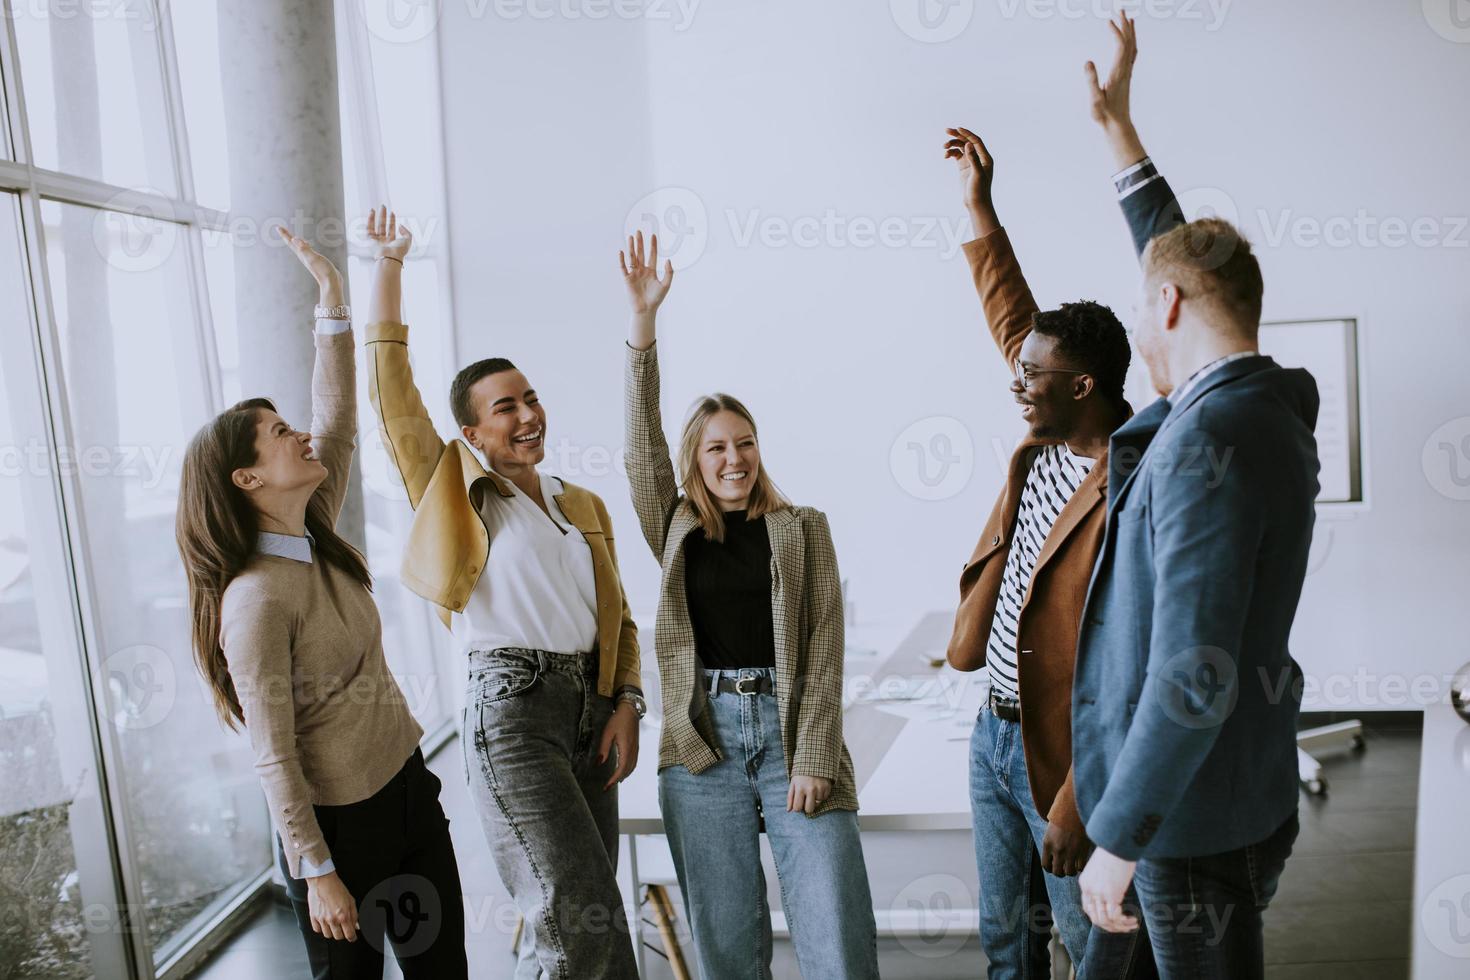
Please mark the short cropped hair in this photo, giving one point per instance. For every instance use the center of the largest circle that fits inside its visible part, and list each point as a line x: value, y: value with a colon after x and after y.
x: 460, y: 404
x: 1211, y: 262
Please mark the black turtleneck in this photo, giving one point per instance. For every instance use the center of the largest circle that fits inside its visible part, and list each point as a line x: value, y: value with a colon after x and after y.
x: 728, y: 585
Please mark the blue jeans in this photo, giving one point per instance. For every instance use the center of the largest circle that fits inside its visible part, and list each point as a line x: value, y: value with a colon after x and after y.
x: 1204, y: 913
x: 713, y: 821
x: 1018, y: 900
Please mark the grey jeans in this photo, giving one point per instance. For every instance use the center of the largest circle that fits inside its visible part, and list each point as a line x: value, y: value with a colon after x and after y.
x: 533, y: 722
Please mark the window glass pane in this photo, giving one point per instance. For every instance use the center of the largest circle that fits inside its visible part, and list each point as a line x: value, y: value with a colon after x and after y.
x: 44, y: 739
x: 130, y: 356
x: 94, y: 91
x: 196, y: 43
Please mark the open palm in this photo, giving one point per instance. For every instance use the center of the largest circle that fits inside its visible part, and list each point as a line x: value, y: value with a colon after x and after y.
x: 320, y: 267
x: 640, y: 272
x: 390, y: 239
x: 1110, y: 99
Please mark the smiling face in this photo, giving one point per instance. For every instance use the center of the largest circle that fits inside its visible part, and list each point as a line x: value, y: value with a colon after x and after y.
x: 284, y: 459
x: 511, y: 426
x: 729, y: 459
x: 1051, y: 403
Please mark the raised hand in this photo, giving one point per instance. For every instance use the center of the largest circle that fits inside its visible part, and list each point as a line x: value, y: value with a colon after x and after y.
x: 1110, y: 102
x: 640, y: 273
x: 320, y: 267
x: 390, y: 239
x: 977, y: 173
x: 328, y: 279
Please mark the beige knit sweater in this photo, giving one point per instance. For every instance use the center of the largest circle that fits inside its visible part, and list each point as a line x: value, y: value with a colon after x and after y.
x: 304, y: 644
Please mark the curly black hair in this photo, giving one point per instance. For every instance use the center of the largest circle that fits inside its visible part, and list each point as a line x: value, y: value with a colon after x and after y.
x: 1090, y: 337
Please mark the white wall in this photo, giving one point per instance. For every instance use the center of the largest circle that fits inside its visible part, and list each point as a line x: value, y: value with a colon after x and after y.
x: 781, y: 112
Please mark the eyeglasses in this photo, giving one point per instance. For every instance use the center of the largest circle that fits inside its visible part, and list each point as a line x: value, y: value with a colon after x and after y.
x: 1026, y: 374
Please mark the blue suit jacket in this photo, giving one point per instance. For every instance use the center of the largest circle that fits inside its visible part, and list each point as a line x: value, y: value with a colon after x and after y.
x: 1185, y: 699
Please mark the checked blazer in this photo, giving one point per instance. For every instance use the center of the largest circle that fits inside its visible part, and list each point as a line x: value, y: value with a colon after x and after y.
x: 806, y: 611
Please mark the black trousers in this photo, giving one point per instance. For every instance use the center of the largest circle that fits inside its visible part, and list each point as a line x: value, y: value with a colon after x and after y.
x: 393, y: 852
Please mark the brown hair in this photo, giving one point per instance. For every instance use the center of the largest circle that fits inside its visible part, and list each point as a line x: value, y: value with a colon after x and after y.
x: 216, y: 528
x: 1210, y: 261
x: 764, y: 496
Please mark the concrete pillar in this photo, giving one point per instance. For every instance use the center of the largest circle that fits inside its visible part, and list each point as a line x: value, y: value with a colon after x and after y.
x: 279, y: 72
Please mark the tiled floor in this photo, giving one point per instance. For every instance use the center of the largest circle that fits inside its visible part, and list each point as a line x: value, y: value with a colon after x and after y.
x: 1343, y: 911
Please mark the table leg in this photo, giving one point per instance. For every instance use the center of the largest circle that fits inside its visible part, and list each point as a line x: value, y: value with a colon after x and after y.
x: 632, y: 887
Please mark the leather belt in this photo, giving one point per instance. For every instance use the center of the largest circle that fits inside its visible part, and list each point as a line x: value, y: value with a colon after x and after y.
x: 1004, y: 708
x: 759, y: 684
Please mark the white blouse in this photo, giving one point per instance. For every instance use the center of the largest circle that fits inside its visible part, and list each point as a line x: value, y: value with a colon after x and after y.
x: 537, y: 590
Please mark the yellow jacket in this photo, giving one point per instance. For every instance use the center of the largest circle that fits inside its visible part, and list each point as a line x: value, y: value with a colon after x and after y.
x: 448, y: 544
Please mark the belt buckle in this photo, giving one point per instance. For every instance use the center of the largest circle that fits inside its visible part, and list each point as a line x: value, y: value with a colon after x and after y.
x: 741, y: 689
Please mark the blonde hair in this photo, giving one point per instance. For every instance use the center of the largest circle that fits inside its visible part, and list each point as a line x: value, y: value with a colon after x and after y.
x: 764, y: 496
x: 1211, y: 262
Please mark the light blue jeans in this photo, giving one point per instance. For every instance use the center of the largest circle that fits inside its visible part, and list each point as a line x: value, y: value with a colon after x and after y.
x: 1019, y: 901
x: 713, y: 821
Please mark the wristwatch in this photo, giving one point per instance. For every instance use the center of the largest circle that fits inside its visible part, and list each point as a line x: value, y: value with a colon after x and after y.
x: 633, y: 697
x: 339, y: 312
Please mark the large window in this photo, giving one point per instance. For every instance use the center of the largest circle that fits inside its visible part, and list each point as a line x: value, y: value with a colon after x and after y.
x: 132, y: 826
x: 50, y: 808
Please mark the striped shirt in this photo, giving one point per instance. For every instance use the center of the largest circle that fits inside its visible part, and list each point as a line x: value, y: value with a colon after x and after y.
x: 1055, y: 475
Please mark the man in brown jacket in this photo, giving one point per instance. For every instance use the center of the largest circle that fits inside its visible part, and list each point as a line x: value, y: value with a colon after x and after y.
x: 1021, y: 597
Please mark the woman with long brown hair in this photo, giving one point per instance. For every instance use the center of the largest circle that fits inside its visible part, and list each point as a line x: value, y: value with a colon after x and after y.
x: 288, y: 636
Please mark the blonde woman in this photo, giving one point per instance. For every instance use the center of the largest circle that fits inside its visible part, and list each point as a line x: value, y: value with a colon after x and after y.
x: 749, y: 643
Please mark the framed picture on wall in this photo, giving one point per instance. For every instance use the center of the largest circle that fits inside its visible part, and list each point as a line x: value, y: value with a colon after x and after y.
x: 1328, y: 349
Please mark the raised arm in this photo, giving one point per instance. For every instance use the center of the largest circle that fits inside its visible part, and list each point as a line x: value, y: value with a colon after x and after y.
x: 1004, y: 294
x: 333, y: 376
x: 651, y: 478
x: 1148, y: 204
x: 407, y: 431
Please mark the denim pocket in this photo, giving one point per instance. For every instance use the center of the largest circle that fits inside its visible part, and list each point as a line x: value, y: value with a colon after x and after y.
x: 503, y: 678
